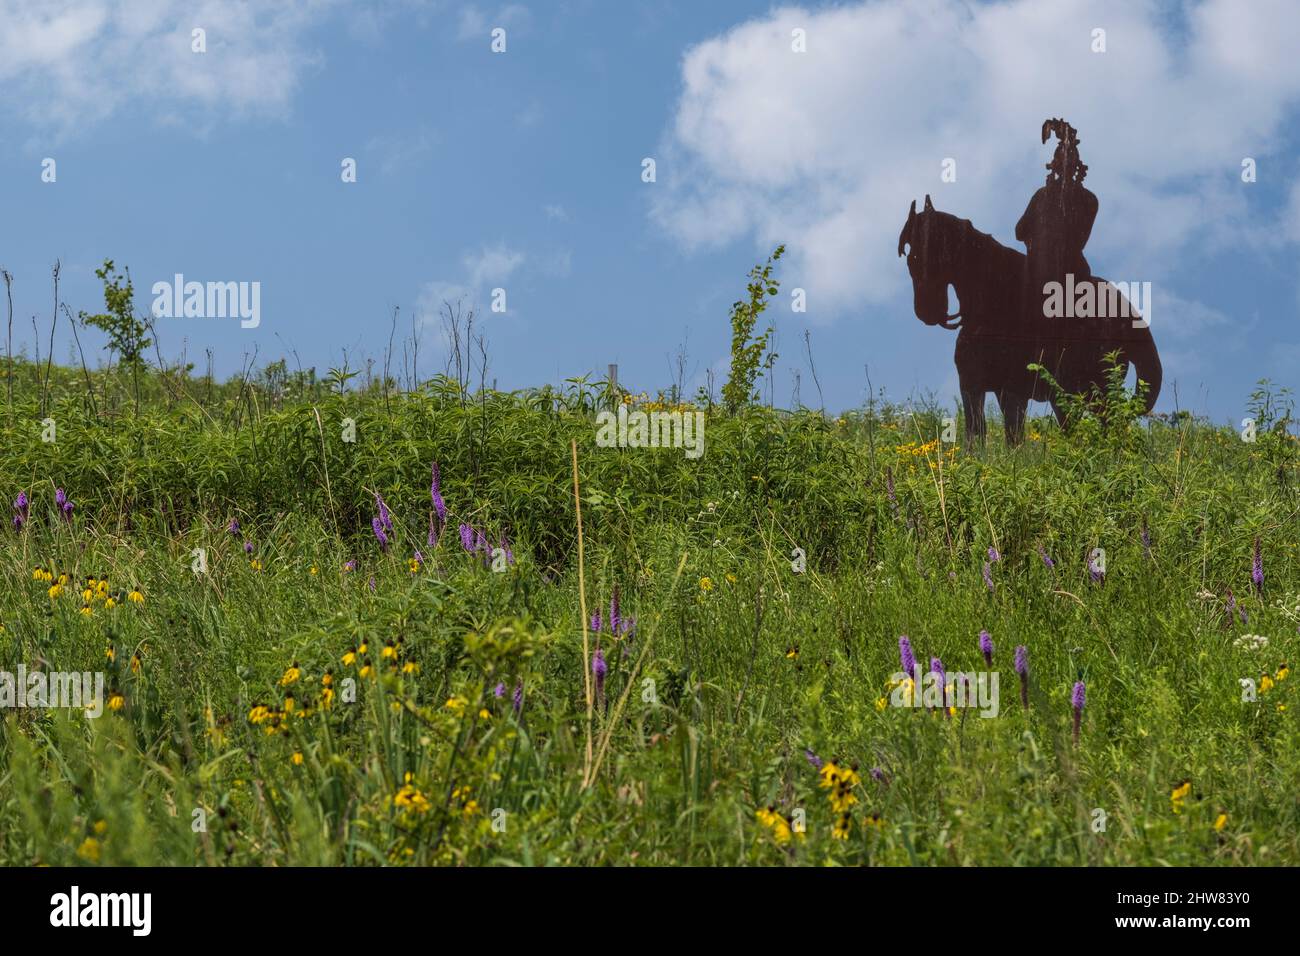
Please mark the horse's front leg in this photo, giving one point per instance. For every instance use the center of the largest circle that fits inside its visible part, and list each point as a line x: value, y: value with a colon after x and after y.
x: 972, y: 406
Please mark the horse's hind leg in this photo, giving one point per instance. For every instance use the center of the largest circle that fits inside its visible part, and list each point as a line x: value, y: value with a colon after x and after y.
x: 972, y: 405
x: 1013, y: 417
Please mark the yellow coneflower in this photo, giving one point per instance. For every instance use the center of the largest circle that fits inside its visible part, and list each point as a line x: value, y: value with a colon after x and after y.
x: 38, y: 573
x: 367, y: 669
x: 110, y: 603
x: 116, y: 701
x: 88, y: 595
x: 875, y: 820
x: 456, y: 704
x: 1220, y: 822
x: 55, y: 590
x: 135, y: 663
x: 881, y: 703
x: 410, y: 667
x: 327, y: 697
x: 484, y: 714
x: 313, y: 570
x: 1179, y: 795
x: 731, y: 578
x: 291, y: 674
x: 255, y: 564
x: 101, y: 588
x: 135, y: 596
x: 288, y: 704
x: 259, y: 714
x: 362, y: 647
x: 296, y: 759
x: 327, y: 679
x: 63, y: 578
x: 350, y: 657
x: 843, y: 823
x: 1265, y: 684
x: 388, y: 651
x: 87, y: 611
x: 100, y: 827
x: 1282, y: 672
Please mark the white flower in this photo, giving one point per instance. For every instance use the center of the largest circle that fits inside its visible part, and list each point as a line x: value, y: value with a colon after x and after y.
x: 1251, y: 642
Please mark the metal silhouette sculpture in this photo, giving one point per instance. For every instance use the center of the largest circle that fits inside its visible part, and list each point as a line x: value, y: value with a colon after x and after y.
x: 1004, y: 319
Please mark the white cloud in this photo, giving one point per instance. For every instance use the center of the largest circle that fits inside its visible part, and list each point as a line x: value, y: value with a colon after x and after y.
x: 66, y: 63
x: 824, y: 150
x: 481, y: 271
x: 476, y: 24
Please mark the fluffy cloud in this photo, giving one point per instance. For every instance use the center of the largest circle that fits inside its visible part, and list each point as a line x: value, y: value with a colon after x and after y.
x: 69, y: 62
x: 824, y: 149
x: 481, y: 270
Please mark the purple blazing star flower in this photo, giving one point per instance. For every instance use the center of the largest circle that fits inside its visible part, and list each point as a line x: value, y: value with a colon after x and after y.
x: 517, y: 699
x: 1146, y: 538
x: 986, y: 647
x: 1257, y: 568
x: 907, y: 657
x: 378, y: 527
x: 22, y: 505
x: 879, y: 776
x: 595, y: 621
x: 1076, y: 701
x: 614, y: 619
x: 467, y: 537
x: 350, y: 565
x: 385, y: 517
x: 627, y: 627
x: 233, y: 527
x: 481, y: 544
x: 936, y: 667
x: 988, y: 577
x: 599, y: 669
x: 1022, y: 668
x: 1047, y: 558
x: 248, y: 547
x: 371, y: 584
x: 994, y: 556
x: 500, y: 690
x: 812, y: 758
x: 435, y: 494
x: 1232, y: 607
x: 60, y: 498
x: 419, y: 558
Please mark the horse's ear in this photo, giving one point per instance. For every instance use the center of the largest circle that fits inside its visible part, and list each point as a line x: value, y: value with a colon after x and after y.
x: 905, y: 236
x: 929, y: 206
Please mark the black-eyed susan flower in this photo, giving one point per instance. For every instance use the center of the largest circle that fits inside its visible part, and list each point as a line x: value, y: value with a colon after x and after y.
x: 296, y: 759
x: 1179, y: 795
x: 291, y: 674
x: 842, y: 827
x: 116, y: 701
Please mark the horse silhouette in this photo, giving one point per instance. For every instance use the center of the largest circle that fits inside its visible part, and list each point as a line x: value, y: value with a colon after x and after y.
x: 1003, y: 328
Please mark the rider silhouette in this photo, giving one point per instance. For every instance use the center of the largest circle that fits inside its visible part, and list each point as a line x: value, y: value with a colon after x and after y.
x: 1059, y: 217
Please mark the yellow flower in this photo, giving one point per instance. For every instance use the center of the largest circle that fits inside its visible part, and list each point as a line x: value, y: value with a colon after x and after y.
x: 731, y: 578
x: 792, y: 652
x: 388, y: 651
x: 706, y: 584
x: 110, y: 653
x: 135, y: 663
x: 100, y: 827
x: 116, y: 701
x: 1179, y: 795
x: 875, y: 820
x: 313, y: 570
x: 55, y: 590
x: 135, y: 597
x: 1282, y: 672
x: 259, y: 713
x: 87, y: 611
x: 881, y: 703
x: 291, y: 674
x: 255, y: 564
x: 110, y: 603
x: 296, y: 759
x: 367, y: 668
x: 414, y: 565
x: 484, y: 714
x: 410, y: 667
x: 840, y: 831
x: 89, y: 850
x: 456, y: 704
x: 1265, y: 684
x: 1220, y: 822
x: 87, y: 595
x: 350, y: 658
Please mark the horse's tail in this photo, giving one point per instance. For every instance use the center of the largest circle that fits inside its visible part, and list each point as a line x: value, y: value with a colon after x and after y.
x: 1141, y: 351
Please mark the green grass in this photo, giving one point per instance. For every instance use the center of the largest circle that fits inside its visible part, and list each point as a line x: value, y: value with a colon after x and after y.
x: 708, y: 709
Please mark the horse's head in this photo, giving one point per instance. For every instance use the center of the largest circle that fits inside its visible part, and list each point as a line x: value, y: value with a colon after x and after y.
x: 931, y: 241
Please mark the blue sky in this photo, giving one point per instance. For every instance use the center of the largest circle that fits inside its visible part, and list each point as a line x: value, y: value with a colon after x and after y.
x: 523, y: 170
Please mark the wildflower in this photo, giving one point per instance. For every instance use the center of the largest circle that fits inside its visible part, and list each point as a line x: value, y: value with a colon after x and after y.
x: 385, y: 518
x: 410, y: 667
x: 1257, y: 569
x: 840, y: 831
x: 994, y: 556
x: 456, y: 704
x: 467, y: 537
x: 291, y: 674
x: 936, y: 667
x: 988, y: 576
x: 248, y: 547
x: 986, y: 647
x: 350, y: 657
x: 414, y: 565
x: 55, y: 590
x: 517, y: 700
x: 435, y: 494
x: 110, y: 653
x: 706, y: 584
x: 613, y: 612
x: 1179, y: 795
x: 381, y: 536
x: 879, y: 776
x: 135, y: 663
x: 500, y: 690
x: 410, y: 799
x: 1220, y: 822
x: 1047, y: 558
x: 812, y: 758
x: 906, y: 656
x: 875, y: 820
x: 367, y: 669
x: 1282, y: 672
x: 599, y: 669
x: 296, y: 759
x: 388, y: 651
x: 22, y: 510
x: 595, y: 621
x: 135, y: 596
x: 1076, y: 701
x: 1022, y: 668
x: 64, y: 503
x: 1265, y: 684
x: 1230, y: 607
x: 255, y: 564
x: 116, y: 701
x: 89, y: 850
x: 779, y: 826
x: 233, y: 527
x: 349, y: 566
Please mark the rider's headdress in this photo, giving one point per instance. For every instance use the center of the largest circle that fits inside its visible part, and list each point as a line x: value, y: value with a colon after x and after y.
x: 1065, y: 163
